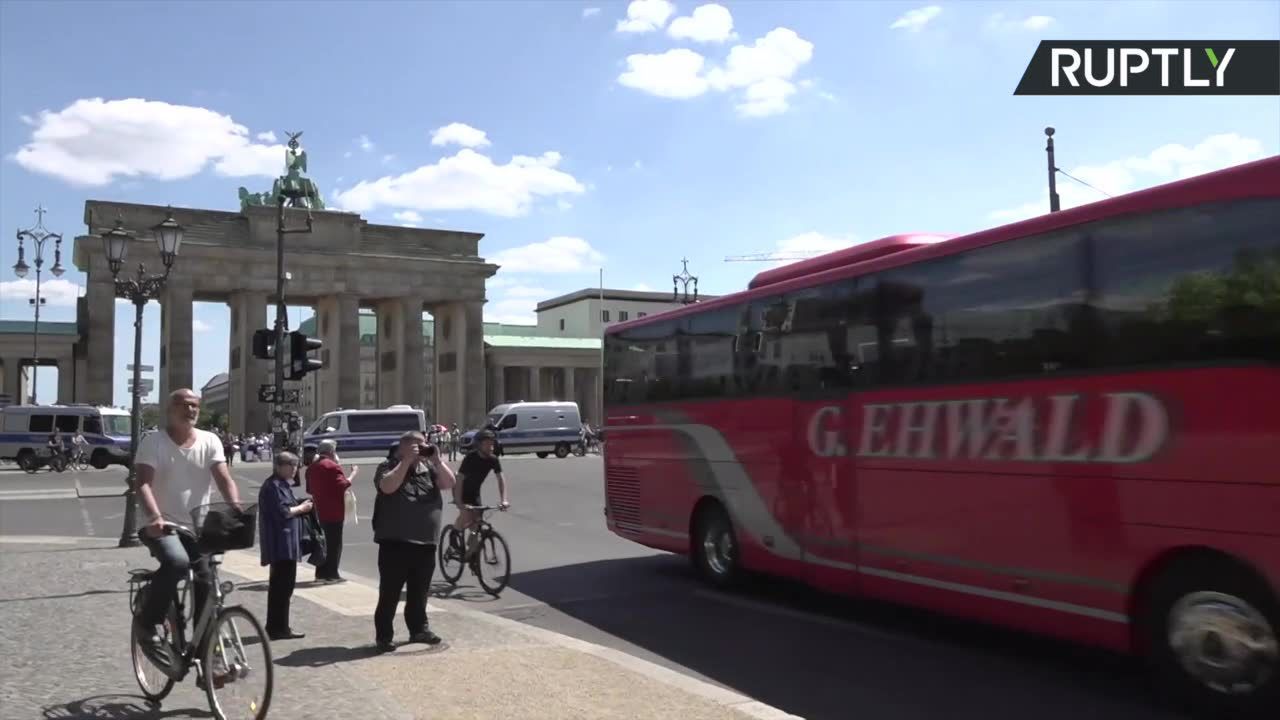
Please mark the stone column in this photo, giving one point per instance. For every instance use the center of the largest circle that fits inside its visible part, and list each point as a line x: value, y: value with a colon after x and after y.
x: 568, y: 385
x: 66, y: 380
x: 13, y: 379
x: 175, y: 338
x: 535, y: 384
x: 499, y: 386
x: 246, y: 414
x: 413, y: 381
x: 340, y: 331
x: 472, y: 354
x: 591, y: 396
x: 390, y: 352
x: 99, y: 375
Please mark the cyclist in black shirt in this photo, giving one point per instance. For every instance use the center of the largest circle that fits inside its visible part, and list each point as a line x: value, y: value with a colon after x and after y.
x: 472, y: 473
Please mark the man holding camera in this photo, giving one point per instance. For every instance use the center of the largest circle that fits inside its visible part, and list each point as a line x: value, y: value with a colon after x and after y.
x: 406, y: 526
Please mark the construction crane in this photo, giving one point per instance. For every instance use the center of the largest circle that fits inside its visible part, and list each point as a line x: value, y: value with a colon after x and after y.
x: 772, y: 257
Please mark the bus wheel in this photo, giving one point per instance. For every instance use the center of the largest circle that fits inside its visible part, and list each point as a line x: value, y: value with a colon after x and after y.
x: 1214, y: 639
x: 715, y: 547
x: 542, y: 455
x: 99, y: 460
x: 27, y: 460
x: 562, y: 450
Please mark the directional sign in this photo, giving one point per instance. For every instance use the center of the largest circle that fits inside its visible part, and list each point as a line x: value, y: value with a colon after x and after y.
x: 147, y: 385
x: 267, y: 394
x: 145, y: 368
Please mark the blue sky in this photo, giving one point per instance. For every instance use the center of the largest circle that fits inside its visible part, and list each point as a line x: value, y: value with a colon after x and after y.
x: 593, y: 134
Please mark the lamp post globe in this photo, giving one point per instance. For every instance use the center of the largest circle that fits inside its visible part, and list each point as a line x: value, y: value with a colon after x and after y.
x: 21, y: 268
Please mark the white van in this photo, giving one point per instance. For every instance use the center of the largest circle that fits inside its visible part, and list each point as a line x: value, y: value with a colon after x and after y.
x: 542, y: 428
x: 362, y: 433
x: 25, y: 429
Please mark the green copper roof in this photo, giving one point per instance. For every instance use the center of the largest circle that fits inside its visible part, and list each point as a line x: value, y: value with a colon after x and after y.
x: 46, y: 327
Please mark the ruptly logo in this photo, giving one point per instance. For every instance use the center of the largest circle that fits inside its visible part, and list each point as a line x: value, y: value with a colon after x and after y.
x: 1119, y: 67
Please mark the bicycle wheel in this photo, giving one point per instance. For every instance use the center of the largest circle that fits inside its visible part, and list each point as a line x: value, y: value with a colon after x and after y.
x: 237, y: 670
x: 154, y: 682
x: 492, y: 563
x: 450, y: 552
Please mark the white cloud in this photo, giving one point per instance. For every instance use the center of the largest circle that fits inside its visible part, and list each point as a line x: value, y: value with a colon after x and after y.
x: 642, y: 287
x: 559, y: 254
x: 200, y: 326
x: 94, y: 141
x: 466, y: 181
x: 1164, y: 164
x: 999, y: 22
x: 590, y: 12
x: 267, y: 136
x: 408, y: 217
x: 915, y: 20
x: 564, y: 205
x: 346, y: 154
x: 708, y: 23
x: 58, y: 292
x: 760, y: 71
x: 459, y: 134
x: 646, y: 16
x: 527, y: 291
x: 388, y: 158
x: 365, y: 143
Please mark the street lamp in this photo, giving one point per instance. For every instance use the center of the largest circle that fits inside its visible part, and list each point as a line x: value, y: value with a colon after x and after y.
x: 138, y: 290
x: 38, y: 236
x: 684, y: 278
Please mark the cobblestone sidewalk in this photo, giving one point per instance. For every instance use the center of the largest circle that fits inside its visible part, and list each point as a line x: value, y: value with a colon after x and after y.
x: 64, y: 655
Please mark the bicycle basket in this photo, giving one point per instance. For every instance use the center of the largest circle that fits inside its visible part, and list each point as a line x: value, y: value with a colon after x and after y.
x: 222, y: 527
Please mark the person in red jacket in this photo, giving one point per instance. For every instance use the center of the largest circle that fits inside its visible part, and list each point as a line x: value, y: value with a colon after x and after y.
x: 327, y: 485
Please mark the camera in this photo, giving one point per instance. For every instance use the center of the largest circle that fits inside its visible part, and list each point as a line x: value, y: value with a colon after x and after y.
x: 427, y: 450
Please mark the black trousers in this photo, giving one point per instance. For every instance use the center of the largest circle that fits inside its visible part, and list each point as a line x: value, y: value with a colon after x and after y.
x: 333, y: 551
x: 284, y: 576
x: 403, y: 566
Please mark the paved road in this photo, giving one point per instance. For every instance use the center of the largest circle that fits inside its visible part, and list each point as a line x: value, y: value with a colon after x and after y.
x: 809, y: 654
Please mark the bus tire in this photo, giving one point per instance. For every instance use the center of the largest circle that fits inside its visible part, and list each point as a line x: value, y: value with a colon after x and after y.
x: 542, y: 455
x: 562, y: 450
x: 26, y: 459
x: 715, y: 547
x: 99, y: 459
x: 1193, y: 659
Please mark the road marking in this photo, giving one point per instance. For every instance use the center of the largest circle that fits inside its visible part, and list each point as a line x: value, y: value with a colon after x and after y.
x: 51, y: 494
x: 84, y: 512
x: 97, y: 492
x: 45, y: 540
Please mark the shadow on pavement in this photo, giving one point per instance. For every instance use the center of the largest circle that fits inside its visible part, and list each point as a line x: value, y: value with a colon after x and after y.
x: 821, y: 656
x: 86, y: 593
x: 116, y: 707
x: 326, y: 655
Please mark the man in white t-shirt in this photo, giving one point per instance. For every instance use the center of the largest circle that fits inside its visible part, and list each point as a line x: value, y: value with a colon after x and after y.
x: 177, y: 468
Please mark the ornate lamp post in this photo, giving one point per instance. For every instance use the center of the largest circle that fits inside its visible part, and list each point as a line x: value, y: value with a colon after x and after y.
x: 38, y: 236
x: 684, y: 278
x: 138, y: 290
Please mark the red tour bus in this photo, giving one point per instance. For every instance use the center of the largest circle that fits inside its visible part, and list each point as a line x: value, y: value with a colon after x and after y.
x: 1068, y: 425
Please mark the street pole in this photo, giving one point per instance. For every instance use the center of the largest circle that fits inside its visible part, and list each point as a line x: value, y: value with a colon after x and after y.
x: 1054, y: 203
x: 38, y: 236
x: 277, y: 405
x: 138, y: 290
x: 600, y: 389
x: 129, y: 532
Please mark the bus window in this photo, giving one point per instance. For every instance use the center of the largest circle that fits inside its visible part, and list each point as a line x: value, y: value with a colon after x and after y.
x: 93, y: 425
x: 68, y: 423
x: 41, y: 424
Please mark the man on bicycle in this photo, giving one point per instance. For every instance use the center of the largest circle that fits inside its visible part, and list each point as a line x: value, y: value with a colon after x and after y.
x: 176, y: 470
x: 472, y: 473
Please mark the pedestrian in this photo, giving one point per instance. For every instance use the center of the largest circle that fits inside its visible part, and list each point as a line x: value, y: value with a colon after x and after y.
x: 327, y: 484
x: 455, y: 437
x: 280, y: 528
x: 406, y: 527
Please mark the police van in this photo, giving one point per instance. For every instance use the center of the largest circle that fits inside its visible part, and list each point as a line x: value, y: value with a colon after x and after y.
x: 542, y: 428
x: 362, y: 433
x: 25, y: 431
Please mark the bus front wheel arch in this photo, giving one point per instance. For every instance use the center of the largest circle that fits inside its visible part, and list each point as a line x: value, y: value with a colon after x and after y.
x: 1208, y: 626
x: 714, y: 545
x: 99, y: 459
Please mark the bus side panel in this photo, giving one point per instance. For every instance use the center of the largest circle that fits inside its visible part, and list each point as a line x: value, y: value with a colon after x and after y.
x: 820, y: 473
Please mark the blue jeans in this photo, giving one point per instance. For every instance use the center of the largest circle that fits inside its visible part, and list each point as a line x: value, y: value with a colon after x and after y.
x: 177, y: 554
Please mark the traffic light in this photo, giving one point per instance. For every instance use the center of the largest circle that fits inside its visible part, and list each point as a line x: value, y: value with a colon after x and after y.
x: 264, y: 342
x: 300, y: 363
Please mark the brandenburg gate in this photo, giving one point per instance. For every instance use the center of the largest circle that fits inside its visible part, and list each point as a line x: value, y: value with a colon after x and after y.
x: 344, y: 264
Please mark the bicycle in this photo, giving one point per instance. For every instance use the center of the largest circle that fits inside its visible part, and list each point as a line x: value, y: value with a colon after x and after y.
x: 78, y: 460
x: 32, y: 461
x: 489, y: 548
x: 222, y: 636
